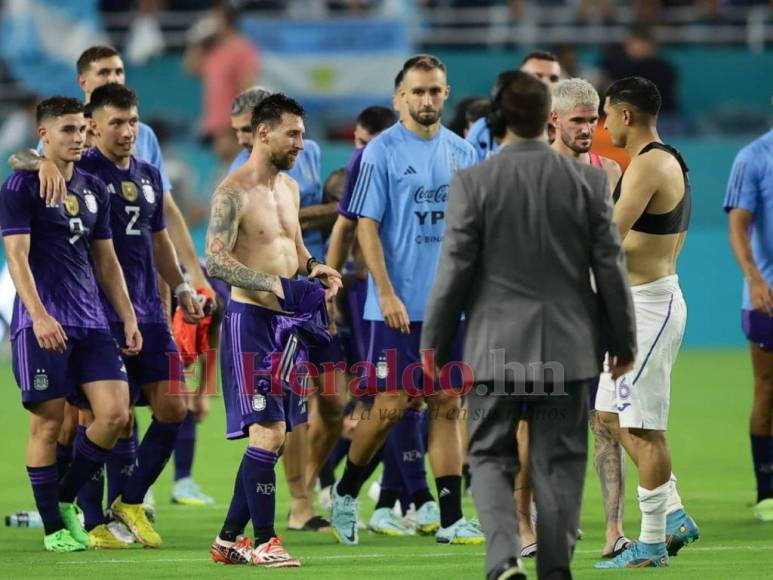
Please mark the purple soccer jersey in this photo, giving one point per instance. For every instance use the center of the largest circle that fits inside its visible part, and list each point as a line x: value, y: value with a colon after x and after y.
x: 136, y: 213
x: 352, y: 173
x: 60, y: 243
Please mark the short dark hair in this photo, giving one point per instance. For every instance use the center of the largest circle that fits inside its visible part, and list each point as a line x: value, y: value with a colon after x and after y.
x: 94, y: 54
x: 56, y: 107
x: 424, y: 62
x: 525, y: 104
x: 376, y: 119
x: 477, y: 108
x: 271, y: 109
x: 539, y: 55
x: 113, y: 95
x: 399, y: 79
x: 636, y: 91
x: 334, y: 184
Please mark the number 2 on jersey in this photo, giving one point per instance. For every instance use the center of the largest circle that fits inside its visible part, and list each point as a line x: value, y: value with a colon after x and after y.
x: 134, y: 212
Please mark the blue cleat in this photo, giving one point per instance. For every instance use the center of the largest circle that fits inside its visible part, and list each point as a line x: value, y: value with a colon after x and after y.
x: 681, y: 530
x: 638, y: 555
x: 427, y: 518
x: 463, y: 532
x: 343, y: 517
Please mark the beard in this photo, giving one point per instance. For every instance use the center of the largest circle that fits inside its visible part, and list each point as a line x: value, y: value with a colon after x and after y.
x: 426, y: 118
x: 283, y: 161
x: 570, y: 142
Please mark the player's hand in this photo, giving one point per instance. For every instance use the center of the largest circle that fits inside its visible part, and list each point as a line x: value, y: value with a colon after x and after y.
x: 50, y: 334
x: 199, y: 280
x: 133, y: 339
x: 201, y: 405
x: 395, y: 314
x: 191, y: 307
x: 761, y: 296
x: 329, y: 277
x: 619, y: 366
x: 53, y: 188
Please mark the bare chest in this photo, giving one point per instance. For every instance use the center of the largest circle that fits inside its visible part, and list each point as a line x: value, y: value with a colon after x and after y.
x: 269, y: 216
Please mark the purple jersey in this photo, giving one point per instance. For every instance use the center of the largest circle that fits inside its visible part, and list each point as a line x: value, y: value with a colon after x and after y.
x: 136, y: 213
x: 352, y: 173
x: 60, y: 244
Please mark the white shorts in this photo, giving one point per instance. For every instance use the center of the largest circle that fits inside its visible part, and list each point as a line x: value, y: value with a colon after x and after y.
x: 641, y: 397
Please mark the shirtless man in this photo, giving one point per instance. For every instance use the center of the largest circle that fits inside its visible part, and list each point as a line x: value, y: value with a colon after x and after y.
x: 652, y: 212
x: 254, y: 244
x: 575, y: 116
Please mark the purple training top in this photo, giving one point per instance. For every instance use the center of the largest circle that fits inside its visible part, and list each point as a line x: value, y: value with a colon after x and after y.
x: 60, y: 244
x: 352, y: 173
x: 136, y: 213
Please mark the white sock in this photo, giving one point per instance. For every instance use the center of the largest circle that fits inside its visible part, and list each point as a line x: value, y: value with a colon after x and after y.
x: 652, y: 503
x: 674, y: 500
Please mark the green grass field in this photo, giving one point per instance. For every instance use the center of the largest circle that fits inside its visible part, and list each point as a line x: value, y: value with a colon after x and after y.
x: 709, y: 443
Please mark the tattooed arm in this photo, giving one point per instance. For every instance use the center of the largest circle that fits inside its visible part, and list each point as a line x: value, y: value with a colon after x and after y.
x: 227, y: 203
x: 52, y: 185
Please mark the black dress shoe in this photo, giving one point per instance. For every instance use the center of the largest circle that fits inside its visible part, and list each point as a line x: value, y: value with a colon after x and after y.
x: 509, y: 570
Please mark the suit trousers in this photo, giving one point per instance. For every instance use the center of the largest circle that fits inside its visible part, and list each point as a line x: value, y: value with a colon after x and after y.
x: 558, y: 446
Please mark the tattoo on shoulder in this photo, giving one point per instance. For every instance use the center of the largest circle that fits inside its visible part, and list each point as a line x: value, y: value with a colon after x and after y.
x: 25, y: 160
x: 227, y: 203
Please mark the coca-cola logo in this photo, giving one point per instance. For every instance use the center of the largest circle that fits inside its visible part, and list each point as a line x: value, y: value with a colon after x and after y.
x: 439, y: 195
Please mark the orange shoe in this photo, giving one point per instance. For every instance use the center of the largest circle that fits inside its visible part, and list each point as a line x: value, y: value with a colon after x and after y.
x: 273, y: 555
x: 238, y: 552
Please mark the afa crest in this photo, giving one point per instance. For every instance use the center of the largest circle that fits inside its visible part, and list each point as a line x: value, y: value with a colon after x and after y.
x: 258, y: 403
x: 148, y: 193
x: 71, y: 205
x: 129, y: 190
x: 91, y: 202
x: 40, y: 381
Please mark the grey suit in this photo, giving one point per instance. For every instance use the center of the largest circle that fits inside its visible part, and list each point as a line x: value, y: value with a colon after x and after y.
x: 523, y: 230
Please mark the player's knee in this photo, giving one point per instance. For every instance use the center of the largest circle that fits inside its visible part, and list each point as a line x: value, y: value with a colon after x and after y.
x: 331, y: 409
x: 170, y: 409
x: 46, y: 430
x: 270, y: 437
x: 445, y: 405
x: 609, y: 421
x: 116, y: 419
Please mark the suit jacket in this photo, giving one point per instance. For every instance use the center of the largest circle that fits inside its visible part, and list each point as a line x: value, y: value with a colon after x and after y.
x: 524, y: 229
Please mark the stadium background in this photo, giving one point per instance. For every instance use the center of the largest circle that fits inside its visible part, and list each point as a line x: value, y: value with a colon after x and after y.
x: 337, y: 60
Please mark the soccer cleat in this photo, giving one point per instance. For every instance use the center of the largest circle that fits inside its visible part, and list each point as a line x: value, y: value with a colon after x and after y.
x: 462, y: 532
x: 681, y: 530
x: 238, y: 552
x: 385, y: 522
x: 187, y: 492
x: 343, y: 518
x: 427, y: 519
x: 149, y: 505
x: 62, y: 541
x: 120, y: 531
x: 136, y: 519
x: 763, y: 511
x: 638, y: 555
x: 70, y: 516
x: 273, y: 555
x: 512, y: 569
x: 325, y: 498
x: 103, y: 539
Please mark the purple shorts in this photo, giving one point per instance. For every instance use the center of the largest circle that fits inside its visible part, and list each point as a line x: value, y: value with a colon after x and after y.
x: 758, y: 328
x: 43, y: 375
x: 158, y: 361
x: 247, y: 339
x: 358, y: 327
x: 396, y: 358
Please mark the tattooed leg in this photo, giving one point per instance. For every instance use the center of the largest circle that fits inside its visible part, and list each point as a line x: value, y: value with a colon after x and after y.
x: 609, y: 461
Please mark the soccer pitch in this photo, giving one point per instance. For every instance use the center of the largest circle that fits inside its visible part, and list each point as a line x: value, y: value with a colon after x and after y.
x: 709, y: 440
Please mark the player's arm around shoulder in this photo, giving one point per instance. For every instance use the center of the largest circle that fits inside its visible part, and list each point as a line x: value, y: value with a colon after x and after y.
x: 641, y: 181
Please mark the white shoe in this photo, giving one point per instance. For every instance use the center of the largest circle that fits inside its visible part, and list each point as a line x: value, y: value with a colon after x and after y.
x: 120, y: 531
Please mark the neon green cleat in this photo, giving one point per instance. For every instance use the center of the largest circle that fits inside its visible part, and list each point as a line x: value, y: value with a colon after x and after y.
x: 62, y: 541
x: 71, y: 516
x: 763, y: 511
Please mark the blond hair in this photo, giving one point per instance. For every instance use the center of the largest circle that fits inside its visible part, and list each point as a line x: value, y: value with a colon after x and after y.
x: 571, y: 93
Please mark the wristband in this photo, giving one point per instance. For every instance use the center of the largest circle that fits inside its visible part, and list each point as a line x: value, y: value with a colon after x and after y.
x: 184, y: 287
x: 310, y: 264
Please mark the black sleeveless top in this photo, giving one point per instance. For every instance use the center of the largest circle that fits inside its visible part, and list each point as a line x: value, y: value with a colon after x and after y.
x: 674, y: 221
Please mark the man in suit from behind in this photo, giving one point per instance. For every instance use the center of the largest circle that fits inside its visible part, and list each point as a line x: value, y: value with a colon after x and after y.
x: 524, y: 229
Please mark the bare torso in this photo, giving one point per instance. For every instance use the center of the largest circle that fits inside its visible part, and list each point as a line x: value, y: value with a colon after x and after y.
x: 650, y: 257
x: 268, y: 231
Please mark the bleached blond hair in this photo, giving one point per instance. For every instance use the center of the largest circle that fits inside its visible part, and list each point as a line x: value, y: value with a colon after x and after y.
x: 571, y: 93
